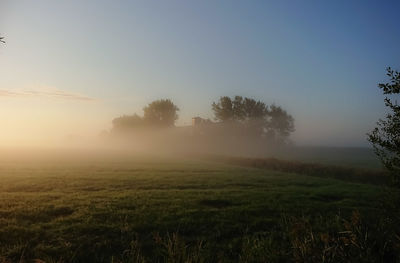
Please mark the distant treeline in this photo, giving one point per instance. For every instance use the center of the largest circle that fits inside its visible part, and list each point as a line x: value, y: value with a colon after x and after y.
x: 239, y: 116
x: 160, y: 113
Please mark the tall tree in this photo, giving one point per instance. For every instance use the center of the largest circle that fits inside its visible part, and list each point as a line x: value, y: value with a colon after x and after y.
x: 162, y: 113
x: 254, y: 117
x: 253, y: 109
x: 238, y: 108
x: 385, y: 138
x: 223, y: 109
x: 280, y: 124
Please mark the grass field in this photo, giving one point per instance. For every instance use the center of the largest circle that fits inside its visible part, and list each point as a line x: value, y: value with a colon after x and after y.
x: 345, y: 156
x: 93, y: 211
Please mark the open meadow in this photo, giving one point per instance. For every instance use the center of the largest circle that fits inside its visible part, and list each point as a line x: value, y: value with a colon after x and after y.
x: 199, y: 131
x: 159, y: 209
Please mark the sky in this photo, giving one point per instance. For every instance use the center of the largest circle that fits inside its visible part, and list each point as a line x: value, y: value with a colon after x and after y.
x: 70, y: 67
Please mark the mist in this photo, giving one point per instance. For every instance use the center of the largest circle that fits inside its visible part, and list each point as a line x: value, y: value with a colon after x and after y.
x: 57, y: 124
x: 199, y: 131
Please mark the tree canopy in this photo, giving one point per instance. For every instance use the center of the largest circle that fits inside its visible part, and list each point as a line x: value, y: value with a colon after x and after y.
x: 256, y: 117
x: 238, y: 116
x: 224, y: 109
x: 385, y: 138
x: 238, y: 109
x: 161, y: 113
x: 280, y: 123
x: 128, y: 122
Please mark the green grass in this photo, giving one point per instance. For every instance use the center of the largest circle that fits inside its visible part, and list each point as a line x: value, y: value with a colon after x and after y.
x: 93, y: 211
x: 344, y: 156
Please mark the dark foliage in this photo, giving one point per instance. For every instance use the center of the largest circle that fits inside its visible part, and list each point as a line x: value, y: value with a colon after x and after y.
x: 161, y: 113
x: 280, y: 123
x: 224, y: 109
x: 257, y: 119
x: 128, y: 122
x: 239, y: 109
x: 385, y: 138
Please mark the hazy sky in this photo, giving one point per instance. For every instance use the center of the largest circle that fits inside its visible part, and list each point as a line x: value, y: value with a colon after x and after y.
x: 70, y: 67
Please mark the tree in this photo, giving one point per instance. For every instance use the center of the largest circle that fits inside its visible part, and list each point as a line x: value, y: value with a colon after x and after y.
x: 2, y: 40
x: 253, y: 109
x: 223, y: 109
x: 385, y: 138
x: 161, y: 113
x: 254, y: 117
x: 280, y: 123
x: 127, y: 122
x: 238, y: 109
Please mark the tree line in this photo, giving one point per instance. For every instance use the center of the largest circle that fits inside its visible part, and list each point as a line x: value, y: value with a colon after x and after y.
x: 159, y: 113
x: 253, y: 117
x: 257, y: 118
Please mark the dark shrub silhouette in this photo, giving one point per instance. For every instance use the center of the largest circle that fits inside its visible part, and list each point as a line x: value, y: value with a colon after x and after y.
x: 385, y: 138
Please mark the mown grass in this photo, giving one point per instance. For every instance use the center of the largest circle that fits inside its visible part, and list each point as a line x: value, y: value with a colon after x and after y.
x: 146, y: 209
